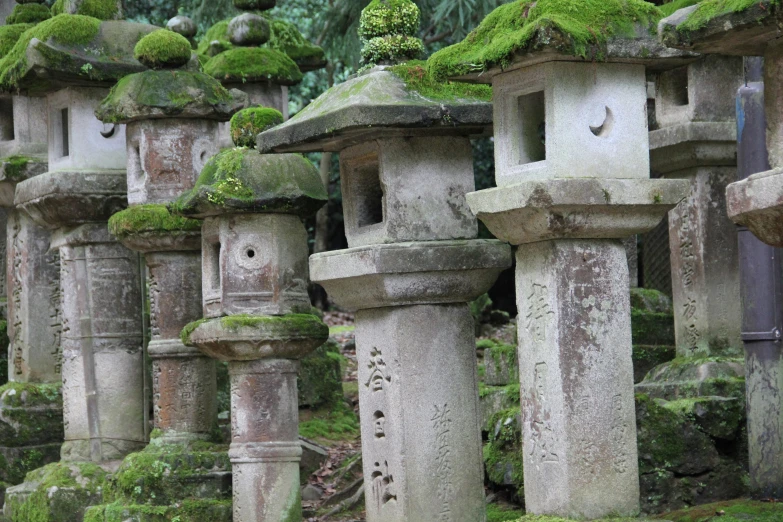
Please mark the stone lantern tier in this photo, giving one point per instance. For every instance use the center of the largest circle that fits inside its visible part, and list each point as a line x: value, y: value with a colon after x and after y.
x: 755, y: 202
x: 254, y: 252
x: 572, y: 167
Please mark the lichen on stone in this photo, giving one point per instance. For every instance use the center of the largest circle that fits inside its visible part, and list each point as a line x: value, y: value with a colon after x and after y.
x: 28, y: 14
x: 140, y: 219
x: 159, y: 94
x: 575, y: 28
x: 710, y: 9
x: 163, y: 49
x: 243, y: 64
x: 418, y: 78
x: 249, y: 123
x: 241, y: 180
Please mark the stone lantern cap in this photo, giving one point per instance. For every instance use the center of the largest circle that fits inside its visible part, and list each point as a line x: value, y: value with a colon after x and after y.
x: 153, y: 95
x: 250, y: 337
x: 253, y: 64
x: 757, y: 203
x: 240, y: 180
x: 384, y: 102
x: 528, y: 32
x: 713, y: 27
x: 71, y: 50
x: 152, y: 228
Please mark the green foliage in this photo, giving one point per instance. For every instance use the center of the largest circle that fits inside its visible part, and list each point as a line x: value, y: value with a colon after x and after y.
x: 391, y: 49
x: 389, y: 17
x: 243, y: 64
x: 496, y: 513
x: 248, y: 123
x: 28, y: 14
x: 336, y: 423
x: 510, y: 28
x: 64, y: 29
x: 140, y: 219
x: 163, y: 49
x: 58, y: 7
x: 709, y: 9
x: 418, y: 78
x: 9, y: 35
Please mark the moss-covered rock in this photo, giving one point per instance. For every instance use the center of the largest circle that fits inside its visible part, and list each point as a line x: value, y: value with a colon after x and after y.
x: 740, y: 510
x: 9, y: 35
x: 503, y: 452
x: 320, y: 377
x: 168, y: 94
x: 708, y: 10
x: 689, y: 377
x: 286, y: 38
x: 649, y: 300
x: 249, y: 123
x: 388, y: 17
x: 20, y: 168
x: 652, y: 328
x: 576, y: 28
x: 58, y: 492
x: 149, y: 219
x: 501, y: 366
x: 418, y: 79
x: 100, y: 9
x: 248, y: 29
x: 28, y: 14
x: 252, y: 64
x: 30, y: 414
x: 241, y: 180
x: 646, y: 357
x: 391, y: 49
x: 495, y: 399
x: 185, y: 511
x: 163, y: 49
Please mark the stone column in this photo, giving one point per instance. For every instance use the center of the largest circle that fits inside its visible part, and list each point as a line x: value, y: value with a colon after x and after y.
x: 698, y: 141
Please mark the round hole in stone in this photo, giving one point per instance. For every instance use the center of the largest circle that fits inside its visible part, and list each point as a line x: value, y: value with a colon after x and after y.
x: 251, y: 253
x: 203, y: 156
x: 603, y: 130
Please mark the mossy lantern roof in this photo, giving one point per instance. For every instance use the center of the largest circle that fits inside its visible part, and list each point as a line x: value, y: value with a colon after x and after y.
x: 175, y: 93
x: 72, y: 50
x: 240, y: 180
x: 522, y: 33
x: 382, y: 102
x: 732, y: 27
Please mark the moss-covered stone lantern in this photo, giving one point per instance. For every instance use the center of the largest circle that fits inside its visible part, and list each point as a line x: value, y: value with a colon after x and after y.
x: 413, y: 265
x: 756, y: 202
x: 572, y: 168
x: 257, y: 313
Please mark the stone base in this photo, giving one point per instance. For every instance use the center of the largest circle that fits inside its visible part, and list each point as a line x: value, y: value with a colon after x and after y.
x: 689, y: 378
x: 59, y: 492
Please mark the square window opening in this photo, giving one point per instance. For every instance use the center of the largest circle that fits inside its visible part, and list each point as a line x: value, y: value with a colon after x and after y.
x: 368, y: 192
x: 64, y: 132
x: 6, y: 119
x: 531, y: 111
x: 214, y: 265
x: 674, y: 86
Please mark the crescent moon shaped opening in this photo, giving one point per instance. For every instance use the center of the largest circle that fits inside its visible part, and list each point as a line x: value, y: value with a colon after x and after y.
x: 109, y: 133
x: 605, y: 128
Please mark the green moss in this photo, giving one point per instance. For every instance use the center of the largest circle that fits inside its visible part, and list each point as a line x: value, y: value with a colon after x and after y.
x: 58, y: 7
x: 100, y: 9
x: 389, y: 17
x: 163, y: 49
x: 418, y: 78
x: 28, y: 14
x: 709, y: 9
x: 168, y: 91
x: 320, y: 376
x: 218, y: 32
x: 30, y: 395
x: 243, y: 64
x: 304, y: 323
x: 333, y: 330
x: 732, y: 511
x: 496, y: 513
x: 286, y: 38
x: 670, y: 8
x: 585, y: 27
x: 140, y: 219
x: 14, y: 167
x: 64, y: 29
x: 392, y: 49
x: 9, y: 35
x: 249, y: 123
x: 335, y: 423
x: 220, y: 173
x: 188, y: 330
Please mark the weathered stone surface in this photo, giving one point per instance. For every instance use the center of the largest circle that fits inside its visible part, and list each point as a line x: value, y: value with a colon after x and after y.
x: 408, y: 189
x: 576, y: 378
x: 422, y: 462
x: 496, y: 399
x: 374, y: 105
x: 73, y: 198
x: 410, y: 273
x: 500, y: 365
x: 34, y: 308
x: 576, y: 208
x: 757, y: 203
x: 103, y: 396
x: 240, y: 180
x: 169, y: 94
x: 247, y: 338
x: 14, y: 169
x: 254, y: 264
x: 25, y: 134
x: 183, y: 25
x: 248, y: 29
x: 685, y: 378
x: 689, y: 145
x: 541, y: 111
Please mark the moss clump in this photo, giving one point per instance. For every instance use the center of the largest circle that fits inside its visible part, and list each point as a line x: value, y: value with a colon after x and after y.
x: 389, y: 49
x: 503, y: 451
x: 336, y: 423
x: 63, y: 29
x: 496, y: 513
x: 100, y: 9
x: 732, y: 511
x: 186, y: 511
x: 189, y: 329
x: 709, y: 9
x: 286, y: 38
x: 417, y: 78
x: 14, y: 167
x: 216, y: 33
x: 386, y: 17
x: 141, y: 219
x: 9, y: 35
x: 585, y: 27
x: 164, y: 93
x: 58, y: 7
x: 28, y: 14
x: 30, y: 395
x: 249, y: 123
x: 163, y: 49
x: 243, y: 64
x: 320, y: 376
x: 670, y: 8
x: 306, y: 325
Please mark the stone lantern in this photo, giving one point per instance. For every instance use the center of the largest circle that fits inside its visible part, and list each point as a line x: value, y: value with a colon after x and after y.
x: 756, y: 203
x: 412, y: 266
x: 572, y: 162
x: 102, y: 339
x: 257, y: 313
x: 172, y: 122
